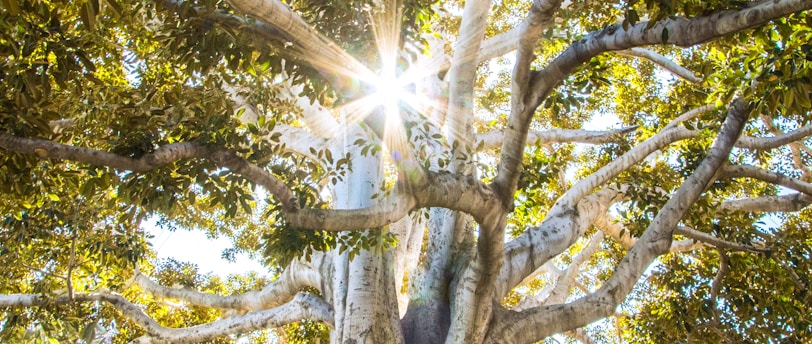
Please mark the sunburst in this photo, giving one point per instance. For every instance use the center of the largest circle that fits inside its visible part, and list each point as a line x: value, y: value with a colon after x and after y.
x: 390, y: 89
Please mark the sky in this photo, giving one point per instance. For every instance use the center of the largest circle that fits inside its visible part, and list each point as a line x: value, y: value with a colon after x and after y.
x: 195, y: 247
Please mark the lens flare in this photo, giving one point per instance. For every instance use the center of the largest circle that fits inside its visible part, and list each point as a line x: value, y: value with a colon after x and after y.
x: 389, y: 92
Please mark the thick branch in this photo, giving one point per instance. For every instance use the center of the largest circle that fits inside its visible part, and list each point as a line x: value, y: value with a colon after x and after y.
x: 794, y: 147
x: 295, y: 278
x: 260, y: 31
x: 716, y: 285
x: 531, y: 250
x: 438, y: 190
x: 688, y: 115
x: 304, y: 306
x: 564, y: 279
x: 539, y: 18
x: 463, y: 71
x: 127, y: 308
x: 493, y: 139
x: 311, y: 46
x: 559, y: 230
x: 162, y: 156
x: 388, y: 211
x: 499, y: 45
x: 444, y: 190
x: 680, y: 31
x: 515, y: 136
x: 538, y: 323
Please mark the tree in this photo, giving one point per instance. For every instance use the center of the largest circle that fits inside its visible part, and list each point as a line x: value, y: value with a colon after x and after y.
x: 410, y: 171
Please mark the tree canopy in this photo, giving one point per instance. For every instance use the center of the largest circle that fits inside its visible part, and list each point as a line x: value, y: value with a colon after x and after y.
x: 409, y: 171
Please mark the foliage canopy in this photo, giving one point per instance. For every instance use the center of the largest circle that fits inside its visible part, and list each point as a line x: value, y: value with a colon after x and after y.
x: 645, y: 163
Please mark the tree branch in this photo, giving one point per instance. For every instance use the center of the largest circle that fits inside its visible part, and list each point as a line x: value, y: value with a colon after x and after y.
x: 713, y: 240
x: 682, y: 32
x: 661, y: 61
x: 493, y: 138
x: 688, y: 115
x: 162, y: 156
x: 630, y: 158
x: 626, y: 240
x: 559, y: 230
x: 293, y: 279
x: 515, y: 136
x: 303, y: 306
x: 794, y: 147
x: 776, y: 141
x: 261, y: 31
x: 538, y: 323
x: 769, y: 204
x: 127, y: 308
x: 311, y: 47
x: 500, y: 44
x: 387, y: 211
x: 530, y: 250
x: 564, y: 280
x: 444, y: 190
x: 463, y: 71
x: 745, y: 171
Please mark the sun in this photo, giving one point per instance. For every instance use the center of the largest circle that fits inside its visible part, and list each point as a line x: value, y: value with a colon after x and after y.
x: 389, y: 91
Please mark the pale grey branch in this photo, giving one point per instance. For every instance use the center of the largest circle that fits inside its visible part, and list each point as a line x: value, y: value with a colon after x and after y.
x: 745, y: 171
x: 769, y: 204
x: 663, y: 62
x: 540, y: 322
x: 493, y: 139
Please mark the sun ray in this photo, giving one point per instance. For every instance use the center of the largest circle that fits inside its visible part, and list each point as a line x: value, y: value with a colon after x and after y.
x: 391, y: 90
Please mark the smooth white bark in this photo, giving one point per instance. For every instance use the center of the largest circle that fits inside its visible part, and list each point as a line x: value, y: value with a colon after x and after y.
x: 744, y: 171
x: 777, y: 141
x: 303, y: 306
x: 663, y: 62
x: 537, y: 323
x: 294, y: 278
x: 768, y: 204
x: 493, y: 138
x: 624, y: 237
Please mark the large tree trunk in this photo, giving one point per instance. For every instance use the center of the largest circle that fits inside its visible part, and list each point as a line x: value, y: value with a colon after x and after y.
x: 365, y: 299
